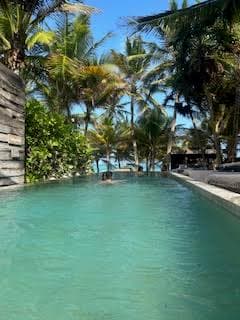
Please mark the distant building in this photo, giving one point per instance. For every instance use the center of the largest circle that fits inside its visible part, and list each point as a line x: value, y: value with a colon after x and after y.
x: 192, y: 160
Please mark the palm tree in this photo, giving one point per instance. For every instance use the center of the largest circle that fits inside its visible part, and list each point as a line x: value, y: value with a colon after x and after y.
x: 133, y: 63
x: 164, y: 76
x: 21, y: 27
x: 73, y: 40
x: 207, y: 11
x: 105, y: 136
x: 188, y: 28
x: 123, y: 150
x: 206, y: 51
x: 198, y: 139
x: 97, y: 87
x: 151, y: 134
x: 70, y: 62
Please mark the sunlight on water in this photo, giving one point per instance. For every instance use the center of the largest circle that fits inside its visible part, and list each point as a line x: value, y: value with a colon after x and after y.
x: 145, y: 249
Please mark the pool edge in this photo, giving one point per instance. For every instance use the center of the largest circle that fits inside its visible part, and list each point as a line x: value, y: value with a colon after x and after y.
x: 227, y: 199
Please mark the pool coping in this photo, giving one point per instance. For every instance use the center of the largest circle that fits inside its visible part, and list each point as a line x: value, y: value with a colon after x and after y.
x: 226, y: 199
x: 38, y: 183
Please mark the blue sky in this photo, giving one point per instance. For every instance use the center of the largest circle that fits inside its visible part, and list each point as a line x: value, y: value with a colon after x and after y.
x: 113, y: 12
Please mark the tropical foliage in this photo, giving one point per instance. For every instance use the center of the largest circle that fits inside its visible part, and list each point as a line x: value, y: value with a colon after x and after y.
x: 133, y: 63
x: 152, y: 135
x: 203, y: 43
x: 54, y: 148
x: 108, y: 138
x: 22, y: 32
x: 83, y: 106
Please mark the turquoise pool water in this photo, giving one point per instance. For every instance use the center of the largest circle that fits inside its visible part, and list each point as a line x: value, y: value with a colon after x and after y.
x: 146, y: 249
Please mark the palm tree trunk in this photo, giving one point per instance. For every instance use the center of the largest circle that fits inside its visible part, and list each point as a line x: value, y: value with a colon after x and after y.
x: 198, y: 137
x: 172, y: 134
x: 97, y: 165
x: 14, y: 59
x: 215, y: 129
x: 134, y: 142
x: 87, y: 119
x: 66, y: 106
x: 217, y: 145
x: 86, y: 127
x: 108, y: 158
x: 68, y: 111
x: 153, y: 159
x: 233, y: 141
x: 147, y: 164
x: 119, y: 162
x: 193, y: 121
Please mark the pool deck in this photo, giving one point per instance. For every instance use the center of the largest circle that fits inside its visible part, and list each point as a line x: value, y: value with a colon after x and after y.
x: 227, y: 199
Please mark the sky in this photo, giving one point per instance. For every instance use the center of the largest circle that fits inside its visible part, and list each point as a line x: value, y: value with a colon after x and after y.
x: 113, y: 13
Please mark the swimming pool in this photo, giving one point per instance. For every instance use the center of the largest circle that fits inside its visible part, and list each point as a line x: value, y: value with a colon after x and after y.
x: 146, y: 249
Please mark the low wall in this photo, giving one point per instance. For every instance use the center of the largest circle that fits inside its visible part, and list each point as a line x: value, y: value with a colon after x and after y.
x: 200, y: 175
x: 224, y: 198
x: 12, y: 128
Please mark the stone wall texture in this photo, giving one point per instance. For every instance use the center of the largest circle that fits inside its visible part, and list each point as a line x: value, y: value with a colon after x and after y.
x: 12, y: 128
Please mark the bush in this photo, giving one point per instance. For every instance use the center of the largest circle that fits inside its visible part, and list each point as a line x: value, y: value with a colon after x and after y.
x: 54, y: 148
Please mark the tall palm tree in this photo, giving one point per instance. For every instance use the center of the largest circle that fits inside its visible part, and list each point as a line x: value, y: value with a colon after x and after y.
x: 97, y: 87
x: 123, y: 150
x: 189, y: 27
x: 69, y: 63
x: 151, y: 134
x: 164, y: 76
x: 133, y: 63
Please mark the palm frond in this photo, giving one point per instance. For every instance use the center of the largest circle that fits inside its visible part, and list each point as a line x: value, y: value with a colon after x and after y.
x: 78, y: 8
x: 40, y: 37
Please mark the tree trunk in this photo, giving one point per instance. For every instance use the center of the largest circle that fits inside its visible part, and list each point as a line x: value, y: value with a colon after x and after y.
x: 217, y: 146
x: 147, y: 164
x: 97, y: 165
x: 215, y: 129
x: 233, y: 141
x: 119, y: 163
x: 68, y: 112
x: 193, y: 121
x: 202, y: 151
x: 153, y: 160
x: 172, y: 135
x: 87, y: 119
x: 134, y: 142
x: 86, y: 127
x: 150, y: 161
x: 108, y: 159
x: 14, y: 59
x: 172, y: 132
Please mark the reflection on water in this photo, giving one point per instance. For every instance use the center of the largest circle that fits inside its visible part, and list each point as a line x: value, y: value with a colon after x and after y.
x: 148, y: 248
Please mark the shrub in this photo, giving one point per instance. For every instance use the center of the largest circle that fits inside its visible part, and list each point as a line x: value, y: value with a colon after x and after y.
x: 54, y: 147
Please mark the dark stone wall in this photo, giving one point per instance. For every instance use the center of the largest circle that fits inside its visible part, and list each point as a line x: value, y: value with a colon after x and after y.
x: 12, y: 128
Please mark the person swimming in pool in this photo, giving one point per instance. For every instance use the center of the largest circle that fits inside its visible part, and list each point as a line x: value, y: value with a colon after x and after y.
x: 107, y: 176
